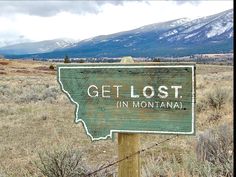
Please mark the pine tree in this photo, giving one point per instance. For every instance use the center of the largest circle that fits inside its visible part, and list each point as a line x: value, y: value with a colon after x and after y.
x: 66, y: 59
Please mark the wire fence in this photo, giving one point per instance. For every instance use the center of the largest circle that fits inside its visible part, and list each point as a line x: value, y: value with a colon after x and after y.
x: 131, y: 155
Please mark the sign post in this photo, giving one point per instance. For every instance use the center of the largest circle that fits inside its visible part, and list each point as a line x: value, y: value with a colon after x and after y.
x: 128, y: 144
x: 131, y: 98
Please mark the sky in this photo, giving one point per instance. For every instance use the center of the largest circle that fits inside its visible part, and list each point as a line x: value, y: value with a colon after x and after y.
x: 23, y: 21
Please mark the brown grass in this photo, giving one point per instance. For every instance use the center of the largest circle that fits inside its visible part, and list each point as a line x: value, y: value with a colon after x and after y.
x: 44, y: 68
x: 37, y: 117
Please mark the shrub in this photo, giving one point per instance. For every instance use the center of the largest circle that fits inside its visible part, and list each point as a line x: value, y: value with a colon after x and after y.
x: 50, y: 92
x: 4, y: 89
x: 51, y: 67
x: 68, y: 163
x: 214, y: 116
x: 217, y: 98
x: 40, y: 93
x: 201, y: 105
x: 216, y: 147
x: 61, y: 164
x: 153, y: 166
x: 28, y: 98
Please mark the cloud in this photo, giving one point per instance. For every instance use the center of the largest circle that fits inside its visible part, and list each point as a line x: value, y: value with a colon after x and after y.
x: 181, y: 2
x: 11, y: 37
x: 47, y: 8
x: 51, y: 8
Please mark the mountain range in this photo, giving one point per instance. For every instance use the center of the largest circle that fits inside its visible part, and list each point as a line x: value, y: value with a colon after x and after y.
x: 180, y: 37
x: 37, y: 47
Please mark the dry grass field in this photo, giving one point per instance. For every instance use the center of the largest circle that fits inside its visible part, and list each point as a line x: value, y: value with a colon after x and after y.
x: 37, y: 118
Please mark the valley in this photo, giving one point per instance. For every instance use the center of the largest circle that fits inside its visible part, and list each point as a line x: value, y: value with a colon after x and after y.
x: 36, y: 117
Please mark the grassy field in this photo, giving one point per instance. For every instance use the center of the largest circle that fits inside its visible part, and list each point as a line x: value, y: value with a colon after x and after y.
x: 37, y: 118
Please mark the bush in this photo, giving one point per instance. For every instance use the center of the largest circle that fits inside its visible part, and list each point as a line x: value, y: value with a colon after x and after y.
x: 216, y: 147
x: 214, y: 116
x: 68, y: 163
x: 201, y: 105
x: 217, y: 98
x: 51, y: 67
x: 50, y: 92
x: 39, y: 93
x: 61, y: 164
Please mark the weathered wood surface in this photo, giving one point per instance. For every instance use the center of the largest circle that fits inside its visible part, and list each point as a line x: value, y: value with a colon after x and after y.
x: 128, y: 144
x: 122, y: 106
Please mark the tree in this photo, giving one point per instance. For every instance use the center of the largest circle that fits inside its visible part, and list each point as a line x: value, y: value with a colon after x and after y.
x: 80, y: 61
x: 66, y: 59
x: 156, y: 60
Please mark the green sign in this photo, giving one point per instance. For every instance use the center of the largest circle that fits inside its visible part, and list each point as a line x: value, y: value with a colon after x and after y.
x: 135, y: 98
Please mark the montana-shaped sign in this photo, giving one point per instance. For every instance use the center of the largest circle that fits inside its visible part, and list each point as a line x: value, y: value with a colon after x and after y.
x: 131, y: 98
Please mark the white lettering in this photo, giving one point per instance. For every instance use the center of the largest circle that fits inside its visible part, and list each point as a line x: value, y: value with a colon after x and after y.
x: 145, y: 91
x: 117, y: 90
x: 95, y: 91
x: 105, y: 91
x: 132, y: 93
x: 176, y: 90
x: 163, y: 92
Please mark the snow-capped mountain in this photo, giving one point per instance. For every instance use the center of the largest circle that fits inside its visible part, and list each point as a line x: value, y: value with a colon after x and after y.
x: 216, y: 27
x: 180, y: 37
x: 37, y: 47
x: 8, y: 42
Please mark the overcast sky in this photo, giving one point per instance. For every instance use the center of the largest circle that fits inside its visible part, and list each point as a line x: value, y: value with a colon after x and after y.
x: 43, y: 20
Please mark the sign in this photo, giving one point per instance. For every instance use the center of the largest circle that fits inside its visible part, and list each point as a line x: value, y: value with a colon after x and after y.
x: 132, y: 98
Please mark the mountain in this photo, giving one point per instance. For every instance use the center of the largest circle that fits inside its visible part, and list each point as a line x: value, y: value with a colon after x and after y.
x: 180, y: 37
x: 6, y: 41
x: 36, y: 47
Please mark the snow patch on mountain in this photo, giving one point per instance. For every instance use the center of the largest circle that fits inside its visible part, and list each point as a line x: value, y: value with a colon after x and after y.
x: 170, y: 33
x: 180, y: 22
x: 218, y: 29
x: 192, y: 27
x: 230, y: 34
x: 191, y: 35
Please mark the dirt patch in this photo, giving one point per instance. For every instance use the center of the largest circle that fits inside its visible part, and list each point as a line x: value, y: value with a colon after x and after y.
x: 4, y: 63
x: 43, y: 68
x: 1, y: 72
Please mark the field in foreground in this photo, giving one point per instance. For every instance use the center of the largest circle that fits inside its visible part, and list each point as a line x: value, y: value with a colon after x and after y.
x: 37, y: 118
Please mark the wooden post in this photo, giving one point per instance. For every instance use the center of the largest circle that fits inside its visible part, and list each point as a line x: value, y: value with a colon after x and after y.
x: 127, y: 145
